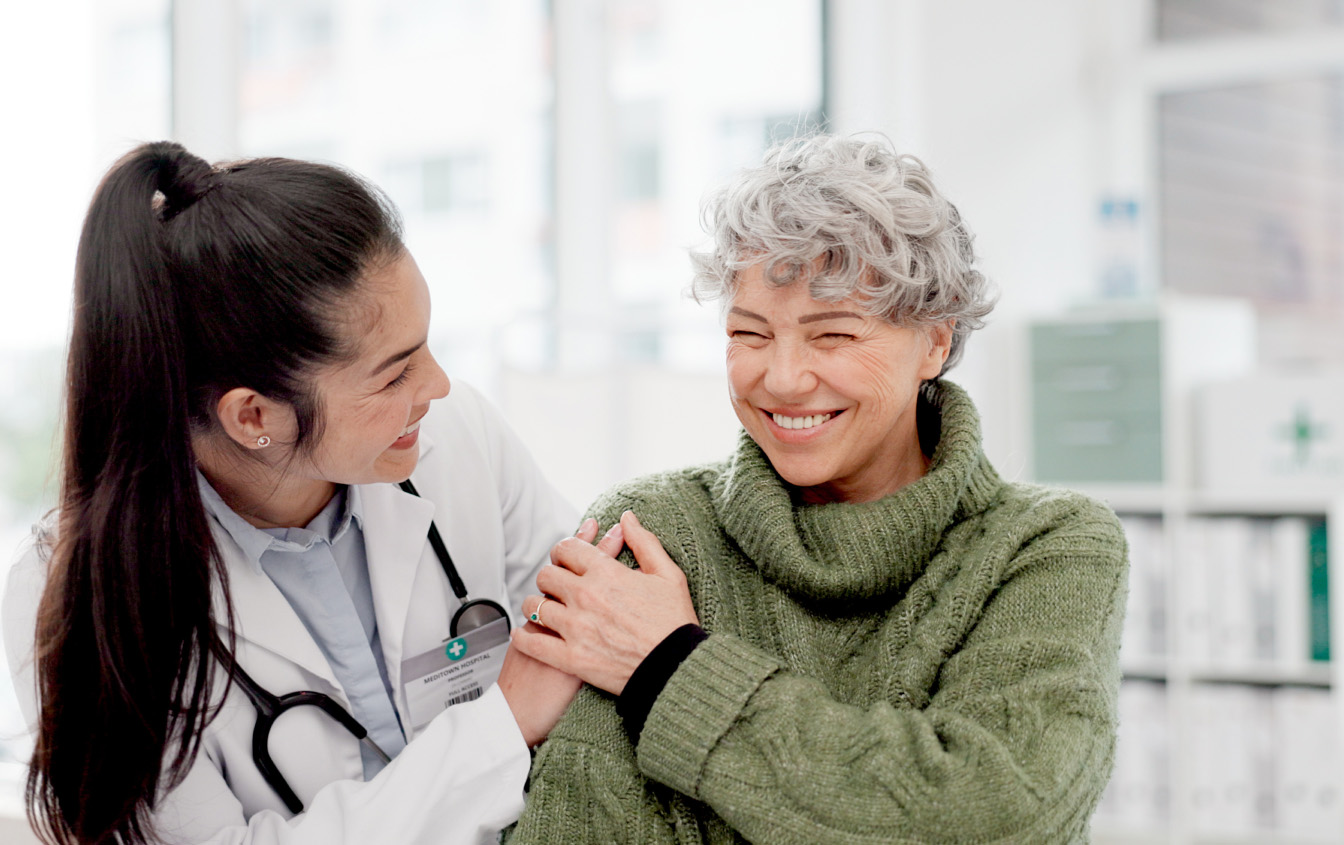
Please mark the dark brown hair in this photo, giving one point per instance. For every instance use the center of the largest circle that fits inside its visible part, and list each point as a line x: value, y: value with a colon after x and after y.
x: 190, y: 281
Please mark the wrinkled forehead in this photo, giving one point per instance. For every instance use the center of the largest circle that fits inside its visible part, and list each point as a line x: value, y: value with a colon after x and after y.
x: 825, y: 283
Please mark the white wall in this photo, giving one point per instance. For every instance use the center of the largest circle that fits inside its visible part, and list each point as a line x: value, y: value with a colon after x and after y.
x: 589, y: 431
x: 14, y: 830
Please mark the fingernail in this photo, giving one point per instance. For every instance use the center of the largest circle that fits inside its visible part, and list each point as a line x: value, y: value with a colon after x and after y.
x: 587, y: 525
x: 615, y: 532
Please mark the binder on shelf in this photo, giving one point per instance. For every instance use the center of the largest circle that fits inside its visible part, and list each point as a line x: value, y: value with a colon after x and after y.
x: 1145, y: 631
x: 1319, y: 608
x: 1138, y: 796
x: 1262, y: 588
x: 1256, y: 591
x: 1228, y: 566
x: 1197, y: 607
x: 1290, y: 547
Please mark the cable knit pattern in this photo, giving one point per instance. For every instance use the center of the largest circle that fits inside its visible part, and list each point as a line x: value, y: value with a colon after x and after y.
x: 937, y: 666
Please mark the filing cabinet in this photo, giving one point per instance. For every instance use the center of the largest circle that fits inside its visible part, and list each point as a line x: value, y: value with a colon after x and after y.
x: 1097, y: 400
x: 1111, y: 388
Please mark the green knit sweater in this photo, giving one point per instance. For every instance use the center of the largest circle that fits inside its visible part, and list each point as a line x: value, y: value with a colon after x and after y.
x: 937, y: 666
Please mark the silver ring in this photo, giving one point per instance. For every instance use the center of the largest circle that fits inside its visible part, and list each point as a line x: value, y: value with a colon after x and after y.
x: 536, y: 614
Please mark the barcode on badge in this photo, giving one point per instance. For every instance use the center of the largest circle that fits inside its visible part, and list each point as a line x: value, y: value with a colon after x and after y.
x: 469, y: 694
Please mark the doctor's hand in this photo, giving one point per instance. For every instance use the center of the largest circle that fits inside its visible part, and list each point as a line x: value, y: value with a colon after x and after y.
x: 537, y: 694
x: 601, y: 618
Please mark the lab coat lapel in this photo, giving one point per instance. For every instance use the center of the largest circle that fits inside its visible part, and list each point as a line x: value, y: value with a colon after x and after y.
x: 396, y: 532
x: 262, y: 616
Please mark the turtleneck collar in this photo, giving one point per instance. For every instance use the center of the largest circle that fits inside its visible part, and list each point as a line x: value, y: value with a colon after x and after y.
x: 866, y: 550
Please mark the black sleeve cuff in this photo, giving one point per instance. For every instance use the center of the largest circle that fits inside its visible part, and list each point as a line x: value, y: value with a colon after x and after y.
x: 647, y: 681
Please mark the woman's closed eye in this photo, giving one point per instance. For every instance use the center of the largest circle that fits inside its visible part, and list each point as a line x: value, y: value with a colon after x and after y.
x: 747, y: 337
x: 401, y: 377
x: 834, y: 338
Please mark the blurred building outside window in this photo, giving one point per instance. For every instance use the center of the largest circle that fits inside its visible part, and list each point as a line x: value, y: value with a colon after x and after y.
x: 1248, y: 133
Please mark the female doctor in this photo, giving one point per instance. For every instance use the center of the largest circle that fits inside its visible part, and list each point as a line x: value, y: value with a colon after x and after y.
x: 239, y: 617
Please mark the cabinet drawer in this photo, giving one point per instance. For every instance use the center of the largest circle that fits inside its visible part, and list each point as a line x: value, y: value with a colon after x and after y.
x: 1093, y: 447
x: 1097, y: 342
x: 1060, y: 387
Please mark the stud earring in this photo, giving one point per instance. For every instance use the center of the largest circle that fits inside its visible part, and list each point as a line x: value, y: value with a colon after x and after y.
x: 263, y: 441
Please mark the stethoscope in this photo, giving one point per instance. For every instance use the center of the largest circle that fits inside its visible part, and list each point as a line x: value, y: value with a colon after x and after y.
x: 473, y: 614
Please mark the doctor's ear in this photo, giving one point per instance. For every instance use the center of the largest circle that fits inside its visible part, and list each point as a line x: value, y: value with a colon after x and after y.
x: 253, y: 421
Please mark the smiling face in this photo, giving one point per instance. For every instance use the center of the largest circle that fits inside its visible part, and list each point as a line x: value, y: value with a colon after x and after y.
x: 828, y: 391
x: 372, y: 405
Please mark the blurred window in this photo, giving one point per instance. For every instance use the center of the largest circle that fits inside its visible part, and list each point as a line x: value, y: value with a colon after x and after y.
x: 1249, y: 107
x: 444, y: 105
x: 700, y: 89
x: 1253, y: 190
x: 104, y: 84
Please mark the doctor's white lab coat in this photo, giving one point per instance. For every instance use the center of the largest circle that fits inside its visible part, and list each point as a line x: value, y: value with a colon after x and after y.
x: 459, y: 779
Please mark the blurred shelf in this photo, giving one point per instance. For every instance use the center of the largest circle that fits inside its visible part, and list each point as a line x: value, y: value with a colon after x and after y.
x: 1260, y: 837
x: 1106, y: 833
x: 1264, y: 674
x: 1124, y: 498
x: 1259, y: 503
x: 1157, y: 499
x: 1257, y: 673
x: 1145, y: 668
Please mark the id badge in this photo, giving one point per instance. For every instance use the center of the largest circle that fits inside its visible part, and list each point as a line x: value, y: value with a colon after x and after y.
x: 461, y: 669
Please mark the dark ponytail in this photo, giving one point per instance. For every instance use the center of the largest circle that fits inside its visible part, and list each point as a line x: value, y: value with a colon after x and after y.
x: 189, y: 281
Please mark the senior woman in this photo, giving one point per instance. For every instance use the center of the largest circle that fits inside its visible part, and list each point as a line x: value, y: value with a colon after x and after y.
x: 883, y: 640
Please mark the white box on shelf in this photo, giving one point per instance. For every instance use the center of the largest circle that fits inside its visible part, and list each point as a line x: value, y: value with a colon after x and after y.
x: 1231, y: 785
x: 1138, y: 798
x: 1307, y: 763
x: 1271, y: 433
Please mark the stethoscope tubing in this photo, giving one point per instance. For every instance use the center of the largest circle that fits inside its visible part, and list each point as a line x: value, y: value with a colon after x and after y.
x: 269, y: 707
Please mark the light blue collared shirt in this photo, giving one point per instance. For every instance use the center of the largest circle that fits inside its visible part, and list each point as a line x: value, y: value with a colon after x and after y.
x: 323, y: 571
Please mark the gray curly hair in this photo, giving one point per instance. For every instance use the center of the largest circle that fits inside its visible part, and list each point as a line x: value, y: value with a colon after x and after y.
x: 869, y: 219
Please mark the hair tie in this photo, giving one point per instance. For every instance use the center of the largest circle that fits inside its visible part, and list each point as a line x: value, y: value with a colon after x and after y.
x: 181, y: 197
x: 183, y: 180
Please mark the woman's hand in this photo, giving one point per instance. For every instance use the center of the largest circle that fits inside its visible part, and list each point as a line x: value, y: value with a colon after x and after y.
x: 601, y: 618
x: 539, y: 694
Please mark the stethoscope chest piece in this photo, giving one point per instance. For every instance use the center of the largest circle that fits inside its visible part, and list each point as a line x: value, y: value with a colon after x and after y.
x: 471, y: 615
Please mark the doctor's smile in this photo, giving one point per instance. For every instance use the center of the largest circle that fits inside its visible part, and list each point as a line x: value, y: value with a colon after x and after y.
x: 408, y: 437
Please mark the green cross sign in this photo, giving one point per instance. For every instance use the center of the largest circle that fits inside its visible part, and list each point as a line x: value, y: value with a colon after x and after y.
x: 457, y: 649
x: 1303, y: 433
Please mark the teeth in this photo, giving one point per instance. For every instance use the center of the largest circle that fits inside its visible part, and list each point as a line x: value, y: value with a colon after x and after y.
x: 800, y: 422
x: 412, y: 427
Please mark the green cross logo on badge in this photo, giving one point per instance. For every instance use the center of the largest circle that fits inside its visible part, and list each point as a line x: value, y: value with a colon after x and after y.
x: 457, y: 649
